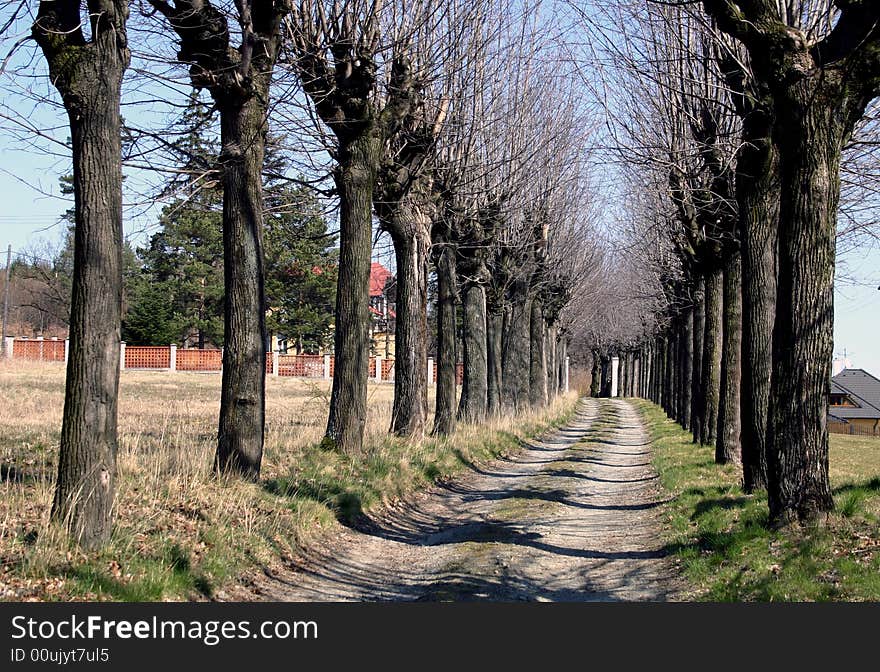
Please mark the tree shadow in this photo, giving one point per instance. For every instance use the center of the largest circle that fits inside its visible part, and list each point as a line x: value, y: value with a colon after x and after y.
x: 570, y: 473
x: 872, y: 485
x: 725, y: 503
x: 345, y: 503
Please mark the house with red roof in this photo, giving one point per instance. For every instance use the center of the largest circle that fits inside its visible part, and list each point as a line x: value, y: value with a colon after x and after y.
x: 382, y: 316
x: 383, y: 287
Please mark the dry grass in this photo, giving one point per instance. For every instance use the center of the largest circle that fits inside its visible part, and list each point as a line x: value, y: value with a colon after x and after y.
x: 181, y: 532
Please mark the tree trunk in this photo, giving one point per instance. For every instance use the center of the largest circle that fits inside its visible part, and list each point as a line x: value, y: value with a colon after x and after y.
x: 562, y: 366
x: 552, y: 359
x: 661, y: 371
x: 595, y: 376
x: 495, y: 325
x: 644, y: 381
x: 517, y: 351
x: 757, y: 182
x: 474, y: 403
x: 630, y: 373
x: 355, y: 178
x: 411, y: 236
x: 607, y: 363
x: 638, y: 363
x: 711, y: 364
x: 537, y: 356
x: 687, y: 368
x: 89, y: 78
x: 243, y: 398
x: 727, y: 444
x: 810, y: 140
x: 669, y: 382
x: 444, y: 414
x: 699, y: 311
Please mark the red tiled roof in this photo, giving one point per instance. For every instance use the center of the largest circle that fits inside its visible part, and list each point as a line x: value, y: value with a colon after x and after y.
x: 378, y: 277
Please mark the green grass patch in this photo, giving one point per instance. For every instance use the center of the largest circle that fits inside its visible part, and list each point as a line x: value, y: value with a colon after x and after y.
x: 720, y: 538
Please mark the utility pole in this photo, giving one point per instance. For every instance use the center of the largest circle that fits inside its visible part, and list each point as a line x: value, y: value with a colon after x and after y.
x: 6, y: 299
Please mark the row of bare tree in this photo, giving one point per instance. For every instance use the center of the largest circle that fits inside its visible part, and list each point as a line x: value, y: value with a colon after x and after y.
x: 744, y: 117
x: 449, y: 124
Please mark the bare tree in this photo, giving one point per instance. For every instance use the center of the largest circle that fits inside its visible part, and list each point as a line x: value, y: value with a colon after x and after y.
x: 441, y: 51
x: 819, y: 61
x: 88, y: 75
x: 361, y: 85
x: 239, y: 80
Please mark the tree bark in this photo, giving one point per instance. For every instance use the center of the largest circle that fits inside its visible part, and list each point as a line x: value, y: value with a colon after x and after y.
x: 243, y: 398
x: 595, y: 376
x: 687, y: 368
x: 474, y: 404
x: 699, y: 311
x: 606, y: 376
x: 537, y: 355
x: 638, y: 363
x: 495, y: 325
x: 517, y: 351
x: 670, y: 373
x: 410, y: 233
x: 562, y: 365
x: 758, y: 195
x: 810, y: 143
x: 89, y: 78
x: 711, y: 360
x: 355, y: 177
x: 727, y: 443
x: 444, y: 413
x: 662, y: 351
x: 552, y: 377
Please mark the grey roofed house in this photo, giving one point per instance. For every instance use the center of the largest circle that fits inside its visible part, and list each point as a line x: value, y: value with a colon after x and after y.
x: 855, y: 395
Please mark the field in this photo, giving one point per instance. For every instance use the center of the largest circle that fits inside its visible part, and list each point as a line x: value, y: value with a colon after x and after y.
x: 724, y: 548
x: 182, y: 533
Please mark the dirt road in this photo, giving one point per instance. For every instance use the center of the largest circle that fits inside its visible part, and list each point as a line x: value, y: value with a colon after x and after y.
x: 571, y: 518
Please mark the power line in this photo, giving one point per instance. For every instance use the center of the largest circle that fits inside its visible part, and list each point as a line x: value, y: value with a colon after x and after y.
x: 6, y: 298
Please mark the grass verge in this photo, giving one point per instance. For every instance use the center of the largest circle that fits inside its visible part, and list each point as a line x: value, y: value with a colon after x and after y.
x: 180, y: 532
x: 719, y: 535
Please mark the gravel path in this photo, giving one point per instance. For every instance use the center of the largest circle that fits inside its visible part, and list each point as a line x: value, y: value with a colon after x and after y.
x: 571, y: 518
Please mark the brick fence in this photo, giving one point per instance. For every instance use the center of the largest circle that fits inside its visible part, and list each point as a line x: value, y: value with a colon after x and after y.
x: 172, y: 358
